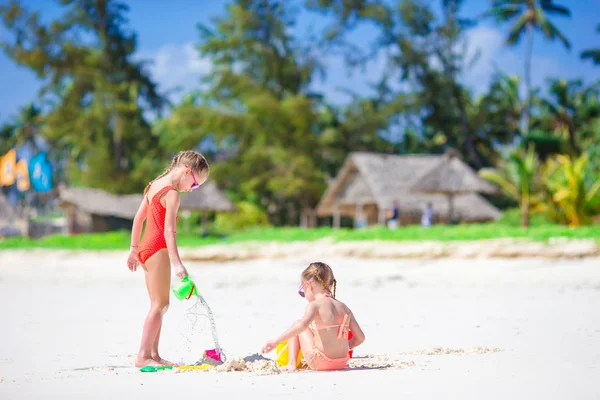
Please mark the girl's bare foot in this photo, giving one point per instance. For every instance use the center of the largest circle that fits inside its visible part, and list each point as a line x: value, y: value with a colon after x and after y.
x: 142, y: 362
x: 162, y: 361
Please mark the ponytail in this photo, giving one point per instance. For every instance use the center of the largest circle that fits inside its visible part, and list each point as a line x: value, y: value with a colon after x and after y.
x: 173, y: 165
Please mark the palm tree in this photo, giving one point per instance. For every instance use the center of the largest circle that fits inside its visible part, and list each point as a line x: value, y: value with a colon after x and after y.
x: 572, y: 111
x: 573, y: 199
x: 530, y: 15
x: 593, y: 54
x: 518, y: 178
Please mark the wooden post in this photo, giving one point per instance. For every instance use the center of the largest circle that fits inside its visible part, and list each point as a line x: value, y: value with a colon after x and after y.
x: 303, y: 220
x: 450, y: 209
x: 381, y: 215
x: 336, y: 216
x: 358, y: 215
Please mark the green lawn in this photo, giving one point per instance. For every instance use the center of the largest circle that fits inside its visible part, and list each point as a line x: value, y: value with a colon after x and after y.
x: 505, y: 228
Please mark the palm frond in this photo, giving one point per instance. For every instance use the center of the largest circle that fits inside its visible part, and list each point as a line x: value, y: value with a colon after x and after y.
x: 517, y: 31
x: 551, y: 8
x: 552, y: 32
x: 594, y: 55
x: 504, y: 12
x: 501, y: 181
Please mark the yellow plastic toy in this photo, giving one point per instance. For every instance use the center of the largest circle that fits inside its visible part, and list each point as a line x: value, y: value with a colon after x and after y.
x: 282, y: 355
x: 203, y: 367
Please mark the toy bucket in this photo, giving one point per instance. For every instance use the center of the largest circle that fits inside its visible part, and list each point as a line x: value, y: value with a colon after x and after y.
x: 282, y: 355
x: 185, y: 289
x: 214, y: 354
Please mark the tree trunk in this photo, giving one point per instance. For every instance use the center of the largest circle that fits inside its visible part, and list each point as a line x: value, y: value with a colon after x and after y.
x: 529, y: 49
x: 524, y: 213
x: 576, y: 151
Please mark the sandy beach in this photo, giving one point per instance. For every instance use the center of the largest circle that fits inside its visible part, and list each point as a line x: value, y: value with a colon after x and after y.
x: 488, y: 328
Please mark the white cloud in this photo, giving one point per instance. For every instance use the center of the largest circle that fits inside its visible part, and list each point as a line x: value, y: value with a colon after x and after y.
x: 176, y: 66
x: 489, y: 44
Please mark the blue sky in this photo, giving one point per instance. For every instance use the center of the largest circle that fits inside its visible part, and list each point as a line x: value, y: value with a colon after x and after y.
x: 167, y: 36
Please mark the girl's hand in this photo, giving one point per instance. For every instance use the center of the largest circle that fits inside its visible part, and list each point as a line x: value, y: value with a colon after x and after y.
x: 132, y: 261
x: 180, y: 271
x: 269, y: 346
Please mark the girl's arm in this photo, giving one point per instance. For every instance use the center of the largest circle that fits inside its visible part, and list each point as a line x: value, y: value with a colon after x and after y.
x: 172, y: 200
x: 300, y: 325
x: 136, y: 230
x: 357, y: 334
x: 138, y: 222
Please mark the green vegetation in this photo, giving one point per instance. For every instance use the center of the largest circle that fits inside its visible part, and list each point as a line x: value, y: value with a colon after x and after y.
x: 541, y: 229
x: 273, y: 140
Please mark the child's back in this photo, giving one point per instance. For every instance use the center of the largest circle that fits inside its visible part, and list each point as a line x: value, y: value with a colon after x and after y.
x: 330, y: 327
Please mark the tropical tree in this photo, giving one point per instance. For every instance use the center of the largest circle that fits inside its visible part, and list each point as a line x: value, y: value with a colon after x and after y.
x: 572, y: 112
x: 528, y: 16
x: 572, y: 200
x: 257, y: 110
x: 592, y: 54
x: 518, y: 178
x: 426, y: 57
x: 95, y: 92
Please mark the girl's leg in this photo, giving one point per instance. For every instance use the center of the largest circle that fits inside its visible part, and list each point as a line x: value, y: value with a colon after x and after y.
x: 293, y: 349
x: 307, y: 344
x: 158, y: 281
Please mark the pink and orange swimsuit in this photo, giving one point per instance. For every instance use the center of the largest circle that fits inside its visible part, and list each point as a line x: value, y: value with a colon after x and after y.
x: 154, y: 235
x: 316, y: 359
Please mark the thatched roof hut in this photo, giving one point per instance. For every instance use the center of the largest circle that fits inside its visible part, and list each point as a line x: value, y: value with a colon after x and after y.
x: 369, y: 183
x: 96, y: 210
x: 452, y: 176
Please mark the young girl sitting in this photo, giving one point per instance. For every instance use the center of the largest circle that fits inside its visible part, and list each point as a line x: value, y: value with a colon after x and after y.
x: 322, y: 333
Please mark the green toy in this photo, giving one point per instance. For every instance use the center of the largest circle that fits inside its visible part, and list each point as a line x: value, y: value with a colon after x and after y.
x: 150, y: 368
x: 185, y: 290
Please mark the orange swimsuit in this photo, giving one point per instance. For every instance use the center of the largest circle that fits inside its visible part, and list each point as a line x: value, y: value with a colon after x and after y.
x: 154, y: 235
x: 316, y: 359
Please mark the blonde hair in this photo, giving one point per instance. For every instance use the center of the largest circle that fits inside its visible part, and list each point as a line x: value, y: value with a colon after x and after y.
x: 322, y: 273
x: 192, y: 159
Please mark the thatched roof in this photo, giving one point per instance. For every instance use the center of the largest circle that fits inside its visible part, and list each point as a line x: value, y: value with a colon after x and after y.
x: 381, y: 179
x: 99, y: 202
x: 452, y: 176
x: 207, y: 197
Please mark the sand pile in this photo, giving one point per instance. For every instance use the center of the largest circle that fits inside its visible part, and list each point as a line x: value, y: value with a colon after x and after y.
x: 378, y: 362
x: 436, y: 351
x: 254, y: 363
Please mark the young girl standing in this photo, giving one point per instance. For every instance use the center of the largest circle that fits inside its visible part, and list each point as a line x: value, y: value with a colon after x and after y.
x: 157, y: 251
x: 322, y: 333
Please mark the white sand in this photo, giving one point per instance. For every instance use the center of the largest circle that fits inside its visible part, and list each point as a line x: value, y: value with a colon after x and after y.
x: 439, y: 329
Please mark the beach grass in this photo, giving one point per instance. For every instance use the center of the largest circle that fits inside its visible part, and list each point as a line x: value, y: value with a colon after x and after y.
x: 540, y: 230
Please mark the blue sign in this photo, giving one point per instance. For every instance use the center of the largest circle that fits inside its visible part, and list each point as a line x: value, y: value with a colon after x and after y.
x: 40, y: 171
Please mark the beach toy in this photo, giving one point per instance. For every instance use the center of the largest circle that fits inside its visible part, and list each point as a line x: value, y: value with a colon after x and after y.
x: 185, y: 290
x: 202, y: 367
x: 150, y: 368
x: 213, y: 354
x: 350, y: 337
x: 282, y: 355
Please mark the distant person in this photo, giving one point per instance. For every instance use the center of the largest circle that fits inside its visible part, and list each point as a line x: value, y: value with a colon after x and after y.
x: 157, y: 250
x: 394, y: 216
x: 323, y: 332
x: 427, y: 217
